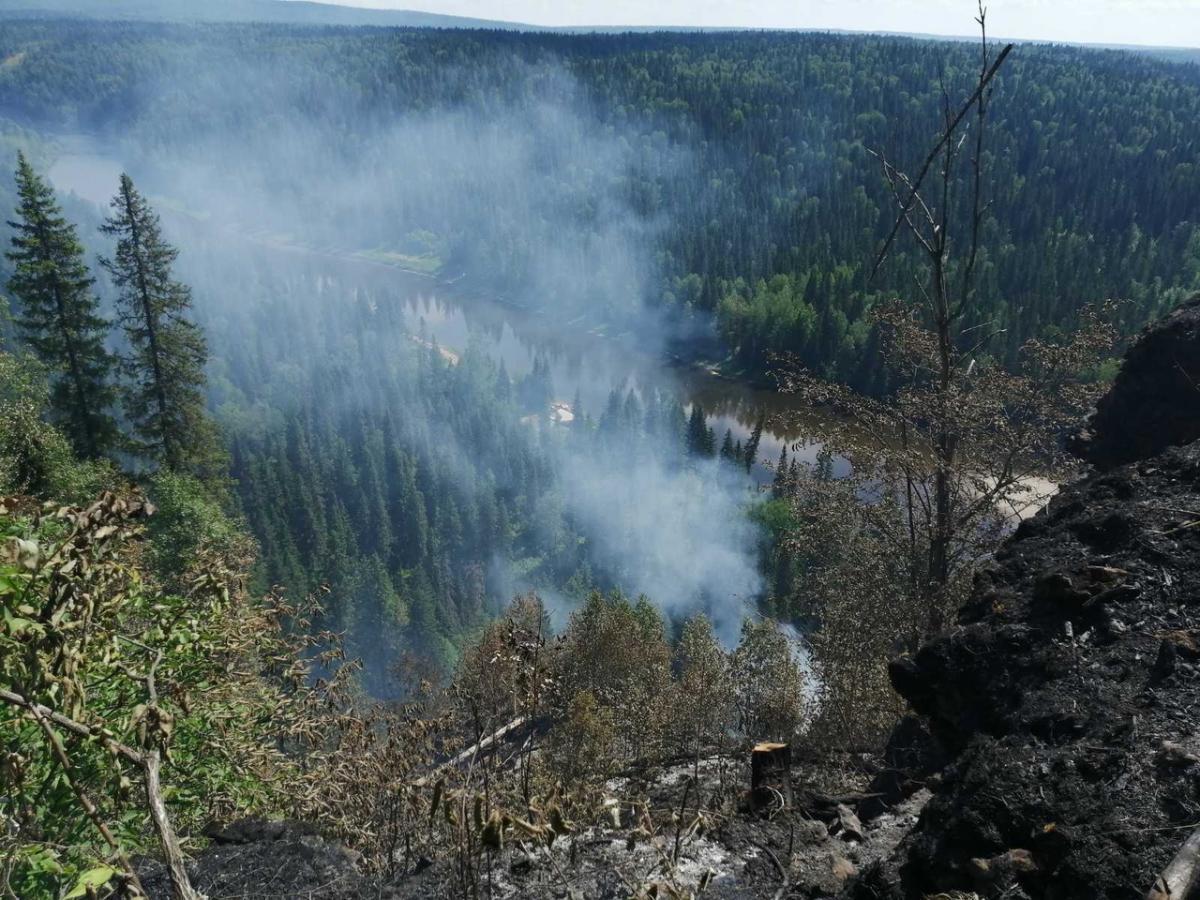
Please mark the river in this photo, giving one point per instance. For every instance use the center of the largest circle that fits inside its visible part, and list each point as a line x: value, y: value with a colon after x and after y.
x: 584, y: 364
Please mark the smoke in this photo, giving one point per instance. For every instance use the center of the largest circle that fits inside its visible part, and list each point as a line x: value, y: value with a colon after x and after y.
x: 534, y: 199
x: 288, y: 198
x: 678, y: 534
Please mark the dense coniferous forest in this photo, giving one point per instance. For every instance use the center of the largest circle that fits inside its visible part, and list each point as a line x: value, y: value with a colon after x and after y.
x: 708, y: 194
x: 743, y: 156
x: 416, y: 486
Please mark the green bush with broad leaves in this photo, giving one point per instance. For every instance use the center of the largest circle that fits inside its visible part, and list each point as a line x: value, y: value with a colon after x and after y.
x: 209, y: 679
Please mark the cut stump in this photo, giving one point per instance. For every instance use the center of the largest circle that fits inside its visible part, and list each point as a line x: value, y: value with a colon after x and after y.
x: 771, y: 775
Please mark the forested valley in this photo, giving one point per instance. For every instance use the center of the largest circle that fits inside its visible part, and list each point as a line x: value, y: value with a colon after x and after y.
x: 464, y: 441
x: 724, y: 173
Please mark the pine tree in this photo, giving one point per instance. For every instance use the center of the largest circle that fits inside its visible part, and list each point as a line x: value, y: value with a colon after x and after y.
x: 58, y: 315
x: 165, y: 401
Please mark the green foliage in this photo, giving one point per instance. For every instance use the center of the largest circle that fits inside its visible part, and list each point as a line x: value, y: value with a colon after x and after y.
x: 701, y: 703
x: 769, y: 683
x: 58, y: 314
x: 188, y: 521
x: 35, y: 457
x: 202, y: 675
x: 165, y: 401
x: 616, y: 651
x: 583, y: 746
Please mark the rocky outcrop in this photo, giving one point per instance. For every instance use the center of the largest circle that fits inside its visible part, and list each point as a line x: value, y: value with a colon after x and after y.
x: 1155, y: 401
x: 1067, y: 696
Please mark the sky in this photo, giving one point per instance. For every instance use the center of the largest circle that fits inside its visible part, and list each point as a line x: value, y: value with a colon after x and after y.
x: 1161, y: 22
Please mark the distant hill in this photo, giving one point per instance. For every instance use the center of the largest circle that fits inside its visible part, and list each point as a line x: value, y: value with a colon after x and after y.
x: 273, y: 11
x: 304, y: 12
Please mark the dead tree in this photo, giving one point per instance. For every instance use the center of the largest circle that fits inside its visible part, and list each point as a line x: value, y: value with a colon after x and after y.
x: 947, y: 297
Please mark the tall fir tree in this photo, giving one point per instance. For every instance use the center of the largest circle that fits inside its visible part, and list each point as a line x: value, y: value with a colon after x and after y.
x: 58, y: 314
x: 727, y: 445
x: 165, y: 400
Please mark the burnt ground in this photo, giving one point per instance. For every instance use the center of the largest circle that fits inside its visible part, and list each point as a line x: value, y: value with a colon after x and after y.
x: 740, y: 853
x: 1067, y: 698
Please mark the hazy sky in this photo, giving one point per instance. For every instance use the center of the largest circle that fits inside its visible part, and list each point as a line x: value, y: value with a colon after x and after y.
x: 1167, y: 22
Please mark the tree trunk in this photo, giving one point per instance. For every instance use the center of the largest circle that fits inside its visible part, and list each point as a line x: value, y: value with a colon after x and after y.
x: 170, y: 453
x: 181, y: 885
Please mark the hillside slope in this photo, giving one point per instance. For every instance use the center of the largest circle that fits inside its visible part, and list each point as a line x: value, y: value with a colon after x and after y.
x: 1067, y: 693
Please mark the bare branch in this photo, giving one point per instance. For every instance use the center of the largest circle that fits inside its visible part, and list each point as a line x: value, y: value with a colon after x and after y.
x: 933, y: 154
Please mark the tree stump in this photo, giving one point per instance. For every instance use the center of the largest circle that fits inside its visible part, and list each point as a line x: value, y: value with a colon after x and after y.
x: 771, y: 775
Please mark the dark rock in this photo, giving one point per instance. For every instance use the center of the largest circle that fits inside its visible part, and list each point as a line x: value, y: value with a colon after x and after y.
x: 1155, y: 401
x: 1045, y: 726
x: 1057, y: 588
x: 912, y: 755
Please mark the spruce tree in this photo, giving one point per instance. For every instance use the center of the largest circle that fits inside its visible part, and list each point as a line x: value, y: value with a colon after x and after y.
x: 779, y: 486
x: 750, y: 455
x: 699, y: 441
x: 58, y: 315
x: 165, y: 401
x: 727, y: 445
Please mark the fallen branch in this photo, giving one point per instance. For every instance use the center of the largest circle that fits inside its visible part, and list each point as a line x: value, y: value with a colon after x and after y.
x: 470, y: 753
x: 1180, y: 879
x: 778, y: 867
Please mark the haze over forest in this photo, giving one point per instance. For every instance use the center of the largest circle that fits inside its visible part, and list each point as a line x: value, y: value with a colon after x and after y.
x: 694, y: 197
x: 647, y: 325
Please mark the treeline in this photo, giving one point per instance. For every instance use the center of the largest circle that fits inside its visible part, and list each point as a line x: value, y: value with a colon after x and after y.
x: 751, y: 148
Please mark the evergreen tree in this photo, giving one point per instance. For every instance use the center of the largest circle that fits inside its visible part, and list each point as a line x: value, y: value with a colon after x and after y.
x: 750, y: 455
x: 700, y: 441
x: 168, y: 351
x: 58, y: 315
x: 727, y: 445
x: 779, y: 485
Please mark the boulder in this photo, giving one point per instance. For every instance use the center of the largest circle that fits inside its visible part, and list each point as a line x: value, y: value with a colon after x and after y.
x: 1155, y: 401
x: 1064, y: 697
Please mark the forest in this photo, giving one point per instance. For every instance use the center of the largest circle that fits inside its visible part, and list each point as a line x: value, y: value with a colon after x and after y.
x: 741, y: 161
x: 352, y: 469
